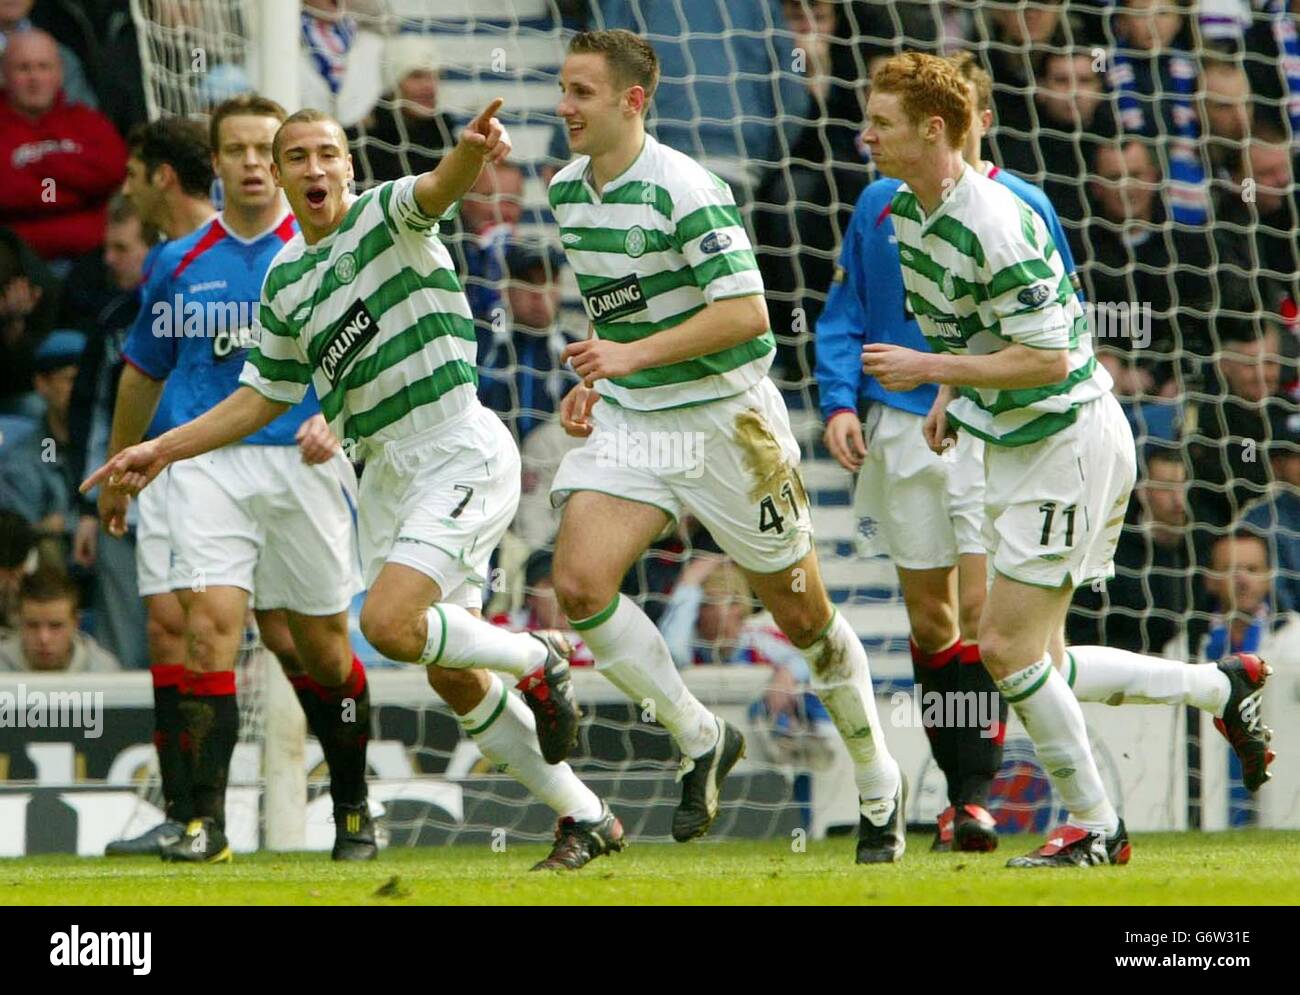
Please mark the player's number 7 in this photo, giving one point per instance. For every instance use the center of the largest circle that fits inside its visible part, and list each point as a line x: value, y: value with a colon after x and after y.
x: 469, y: 493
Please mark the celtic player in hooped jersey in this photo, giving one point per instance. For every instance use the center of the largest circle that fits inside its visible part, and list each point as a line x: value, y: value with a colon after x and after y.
x: 679, y: 415
x: 363, y: 303
x: 1014, y: 362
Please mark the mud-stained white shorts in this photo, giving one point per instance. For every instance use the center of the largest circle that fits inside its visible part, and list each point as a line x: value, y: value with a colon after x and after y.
x: 732, y: 463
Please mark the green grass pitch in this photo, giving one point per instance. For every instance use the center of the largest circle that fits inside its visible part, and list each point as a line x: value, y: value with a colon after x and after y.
x: 1171, y: 868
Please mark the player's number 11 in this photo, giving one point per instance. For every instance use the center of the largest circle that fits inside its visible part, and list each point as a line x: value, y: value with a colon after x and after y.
x: 1048, y: 508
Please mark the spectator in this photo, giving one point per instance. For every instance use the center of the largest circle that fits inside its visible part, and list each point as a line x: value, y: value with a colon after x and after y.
x: 17, y: 560
x: 1226, y: 111
x: 1243, y: 621
x: 102, y: 34
x: 118, y: 611
x: 96, y: 281
x: 1154, y: 81
x: 541, y: 609
x: 1239, y: 581
x: 1264, y: 31
x: 805, y: 199
x: 406, y: 134
x: 1145, y: 604
x: 886, y: 29
x: 520, y: 373
x: 340, y: 66
x: 710, y: 620
x: 48, y: 640
x: 1012, y: 38
x: 1228, y: 426
x: 707, y: 615
x: 1277, y: 516
x: 1072, y: 118
x: 29, y: 303
x: 39, y: 479
x: 488, y: 216
x: 15, y: 17
x: 1130, y: 255
x: 120, y: 77
x: 65, y: 160
x: 1255, y: 219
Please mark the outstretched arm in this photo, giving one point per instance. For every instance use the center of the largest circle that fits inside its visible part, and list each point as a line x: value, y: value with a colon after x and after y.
x: 484, y: 140
x: 239, y: 415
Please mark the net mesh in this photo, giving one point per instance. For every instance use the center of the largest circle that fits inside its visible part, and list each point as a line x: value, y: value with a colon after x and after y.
x: 1137, y: 124
x: 193, y: 53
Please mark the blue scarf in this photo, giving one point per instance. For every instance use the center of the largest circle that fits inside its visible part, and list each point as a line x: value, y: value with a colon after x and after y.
x: 1188, y: 190
x: 328, y: 43
x: 1219, y: 644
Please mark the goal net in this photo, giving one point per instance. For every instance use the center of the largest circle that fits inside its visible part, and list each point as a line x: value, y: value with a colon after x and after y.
x: 194, y: 53
x: 1157, y: 142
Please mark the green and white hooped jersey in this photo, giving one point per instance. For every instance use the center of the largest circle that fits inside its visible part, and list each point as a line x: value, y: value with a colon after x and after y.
x: 981, y: 273
x: 374, y: 314
x: 650, y: 250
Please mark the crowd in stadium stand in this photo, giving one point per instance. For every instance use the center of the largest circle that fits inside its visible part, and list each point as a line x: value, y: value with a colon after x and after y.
x: 1163, y: 134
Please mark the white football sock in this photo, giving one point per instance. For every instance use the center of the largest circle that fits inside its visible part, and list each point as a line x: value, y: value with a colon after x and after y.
x: 458, y: 640
x: 506, y: 733
x: 842, y: 679
x: 1117, y: 677
x: 1054, y: 722
x: 633, y: 656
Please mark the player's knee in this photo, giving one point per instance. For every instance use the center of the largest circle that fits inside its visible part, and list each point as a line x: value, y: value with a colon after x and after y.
x: 933, y: 631
x: 581, y: 593
x: 166, y: 640
x: 463, y: 690
x: 968, y: 621
x: 210, y: 635
x: 998, y: 654
x: 803, y: 621
x: 279, y: 642
x: 165, y: 619
x: 329, y: 661
x: 389, y: 631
